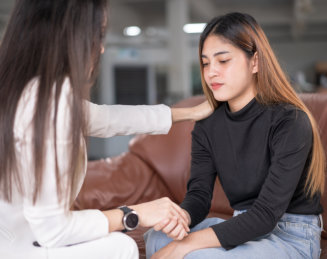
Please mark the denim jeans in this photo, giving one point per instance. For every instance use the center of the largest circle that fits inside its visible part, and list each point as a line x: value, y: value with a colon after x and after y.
x: 294, y: 237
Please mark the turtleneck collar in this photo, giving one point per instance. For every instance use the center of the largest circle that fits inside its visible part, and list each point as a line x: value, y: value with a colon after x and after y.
x: 248, y: 111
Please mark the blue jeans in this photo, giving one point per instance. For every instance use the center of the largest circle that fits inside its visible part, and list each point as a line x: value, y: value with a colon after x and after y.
x: 294, y: 237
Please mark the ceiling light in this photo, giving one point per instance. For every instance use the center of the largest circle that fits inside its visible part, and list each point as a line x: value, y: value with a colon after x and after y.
x: 194, y: 27
x: 132, y: 31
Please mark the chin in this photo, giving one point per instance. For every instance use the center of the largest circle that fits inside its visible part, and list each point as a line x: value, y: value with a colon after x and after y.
x: 219, y: 97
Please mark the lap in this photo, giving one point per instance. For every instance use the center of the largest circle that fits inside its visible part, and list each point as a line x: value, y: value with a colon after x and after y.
x: 276, y: 244
x: 114, y: 245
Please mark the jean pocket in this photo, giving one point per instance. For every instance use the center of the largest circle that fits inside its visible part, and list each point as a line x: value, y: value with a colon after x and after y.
x: 6, y: 233
x: 293, y: 232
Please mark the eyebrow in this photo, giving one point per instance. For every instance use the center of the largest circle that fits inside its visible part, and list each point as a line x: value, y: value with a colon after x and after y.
x: 216, y: 54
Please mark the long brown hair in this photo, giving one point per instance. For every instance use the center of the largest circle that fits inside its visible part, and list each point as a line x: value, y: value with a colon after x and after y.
x: 50, y: 40
x: 272, y: 85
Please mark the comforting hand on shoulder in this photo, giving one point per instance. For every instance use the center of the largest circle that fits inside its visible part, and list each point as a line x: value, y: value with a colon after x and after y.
x: 202, y: 111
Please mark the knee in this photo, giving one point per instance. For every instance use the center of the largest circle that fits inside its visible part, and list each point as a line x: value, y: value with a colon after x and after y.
x: 150, y: 242
x: 128, y: 245
x: 154, y: 240
x: 132, y: 247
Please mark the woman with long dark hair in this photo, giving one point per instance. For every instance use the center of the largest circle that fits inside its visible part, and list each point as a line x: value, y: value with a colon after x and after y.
x: 263, y: 145
x: 49, y: 56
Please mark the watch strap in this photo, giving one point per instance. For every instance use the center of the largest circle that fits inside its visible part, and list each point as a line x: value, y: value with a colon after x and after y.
x: 126, y: 210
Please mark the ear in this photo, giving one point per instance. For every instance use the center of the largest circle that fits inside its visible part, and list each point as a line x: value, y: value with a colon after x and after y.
x: 254, y: 63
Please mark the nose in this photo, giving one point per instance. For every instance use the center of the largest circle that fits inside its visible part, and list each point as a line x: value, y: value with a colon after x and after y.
x: 213, y: 70
x: 102, y: 49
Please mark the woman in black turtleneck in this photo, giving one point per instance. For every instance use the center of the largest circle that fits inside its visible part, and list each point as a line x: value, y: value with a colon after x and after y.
x: 263, y: 145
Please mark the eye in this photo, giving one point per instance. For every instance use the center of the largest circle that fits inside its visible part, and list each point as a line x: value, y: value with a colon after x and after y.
x: 224, y: 61
x: 205, y: 64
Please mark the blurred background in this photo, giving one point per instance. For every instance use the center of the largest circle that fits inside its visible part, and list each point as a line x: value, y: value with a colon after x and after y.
x: 152, y: 57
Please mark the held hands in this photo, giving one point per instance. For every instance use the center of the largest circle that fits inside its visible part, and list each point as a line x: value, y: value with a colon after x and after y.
x: 173, y: 228
x: 164, y: 215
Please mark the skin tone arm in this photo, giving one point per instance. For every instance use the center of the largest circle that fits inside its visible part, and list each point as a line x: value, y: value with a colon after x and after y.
x: 196, y: 113
x: 177, y: 249
x: 150, y: 214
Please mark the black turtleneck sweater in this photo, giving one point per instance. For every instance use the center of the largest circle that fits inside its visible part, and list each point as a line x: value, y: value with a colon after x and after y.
x: 261, y: 155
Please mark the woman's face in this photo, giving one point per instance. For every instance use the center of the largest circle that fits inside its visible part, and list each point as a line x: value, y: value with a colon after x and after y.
x: 228, y: 72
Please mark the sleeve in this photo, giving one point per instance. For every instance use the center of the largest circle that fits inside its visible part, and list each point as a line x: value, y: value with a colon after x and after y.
x: 290, y: 147
x: 52, y: 224
x: 197, y: 201
x: 111, y: 120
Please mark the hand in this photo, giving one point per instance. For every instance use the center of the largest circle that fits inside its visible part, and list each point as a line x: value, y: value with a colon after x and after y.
x: 174, y: 250
x: 153, y: 212
x: 173, y: 228
x: 202, y: 111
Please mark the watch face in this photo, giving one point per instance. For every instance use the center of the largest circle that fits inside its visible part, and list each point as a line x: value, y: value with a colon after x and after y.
x: 132, y: 220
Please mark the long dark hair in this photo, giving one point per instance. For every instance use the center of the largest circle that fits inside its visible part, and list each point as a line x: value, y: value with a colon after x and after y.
x: 272, y: 85
x: 50, y: 40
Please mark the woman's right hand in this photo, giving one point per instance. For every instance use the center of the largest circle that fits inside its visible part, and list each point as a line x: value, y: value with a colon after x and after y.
x: 164, y: 215
x: 172, y: 228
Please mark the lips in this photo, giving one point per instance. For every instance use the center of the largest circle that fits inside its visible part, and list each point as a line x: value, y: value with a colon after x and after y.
x: 216, y: 86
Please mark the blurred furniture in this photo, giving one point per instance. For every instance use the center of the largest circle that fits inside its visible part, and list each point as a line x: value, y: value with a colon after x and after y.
x: 158, y: 165
x: 321, y: 76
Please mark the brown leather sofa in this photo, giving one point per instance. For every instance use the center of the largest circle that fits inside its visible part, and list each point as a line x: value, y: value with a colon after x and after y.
x: 158, y: 165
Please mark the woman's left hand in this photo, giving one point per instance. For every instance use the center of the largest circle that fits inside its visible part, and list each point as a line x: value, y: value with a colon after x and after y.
x: 174, y: 250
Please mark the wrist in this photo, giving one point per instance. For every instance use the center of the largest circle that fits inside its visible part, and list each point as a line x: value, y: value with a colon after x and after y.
x: 130, y: 218
x: 182, y: 114
x: 188, y: 217
x: 184, y: 246
x: 138, y: 210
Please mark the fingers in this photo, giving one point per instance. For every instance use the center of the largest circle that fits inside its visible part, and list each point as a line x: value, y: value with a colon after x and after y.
x: 161, y: 224
x: 182, y: 214
x: 175, y: 210
x: 173, y: 228
x: 178, y: 232
x: 153, y: 213
x: 179, y: 213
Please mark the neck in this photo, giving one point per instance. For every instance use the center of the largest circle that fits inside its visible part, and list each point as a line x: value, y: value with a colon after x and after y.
x: 239, y: 102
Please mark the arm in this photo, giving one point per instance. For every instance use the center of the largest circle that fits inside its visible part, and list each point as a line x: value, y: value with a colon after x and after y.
x: 195, y: 113
x: 205, y: 238
x: 197, y: 201
x: 51, y: 222
x: 150, y: 213
x: 111, y: 120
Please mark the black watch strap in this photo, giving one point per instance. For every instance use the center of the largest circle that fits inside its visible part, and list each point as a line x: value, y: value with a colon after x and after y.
x: 128, y: 213
x: 125, y: 209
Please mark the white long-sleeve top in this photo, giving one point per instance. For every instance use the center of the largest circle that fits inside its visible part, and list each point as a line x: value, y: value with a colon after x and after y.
x: 22, y: 222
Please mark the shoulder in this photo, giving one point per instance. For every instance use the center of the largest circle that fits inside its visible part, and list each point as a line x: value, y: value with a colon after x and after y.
x: 213, y: 119
x: 24, y: 117
x: 290, y: 115
x: 203, y: 129
x: 290, y: 124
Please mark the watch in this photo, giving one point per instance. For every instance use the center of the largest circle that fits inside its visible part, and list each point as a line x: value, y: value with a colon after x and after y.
x: 130, y: 218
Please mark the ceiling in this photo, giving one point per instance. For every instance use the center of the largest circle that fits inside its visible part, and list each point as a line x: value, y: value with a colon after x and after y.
x: 281, y: 19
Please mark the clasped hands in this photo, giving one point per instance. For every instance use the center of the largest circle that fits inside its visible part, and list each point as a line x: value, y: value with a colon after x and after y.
x: 164, y: 215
